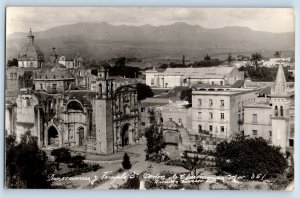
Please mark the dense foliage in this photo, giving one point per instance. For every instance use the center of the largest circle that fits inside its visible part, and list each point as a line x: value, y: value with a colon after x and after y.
x: 121, y: 69
x: 12, y: 62
x: 186, y: 95
x: 154, y: 138
x: 250, y: 157
x: 62, y: 155
x: 143, y: 91
x: 265, y: 74
x: 26, y: 164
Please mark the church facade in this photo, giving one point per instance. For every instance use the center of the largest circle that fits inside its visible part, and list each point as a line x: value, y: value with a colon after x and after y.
x: 51, y: 107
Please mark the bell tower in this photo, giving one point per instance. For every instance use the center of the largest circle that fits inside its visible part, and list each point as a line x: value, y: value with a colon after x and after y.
x: 280, y: 102
x: 104, y: 116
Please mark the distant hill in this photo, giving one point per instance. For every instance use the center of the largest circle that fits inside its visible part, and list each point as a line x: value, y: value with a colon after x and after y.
x: 102, y: 40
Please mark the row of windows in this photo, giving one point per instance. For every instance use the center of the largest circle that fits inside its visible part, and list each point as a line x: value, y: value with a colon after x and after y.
x: 54, y: 86
x: 13, y: 75
x: 31, y: 64
x: 211, y: 103
x: 179, y: 120
x: 46, y: 77
x: 210, y: 128
x: 255, y: 134
x: 276, y: 111
x: 211, y: 116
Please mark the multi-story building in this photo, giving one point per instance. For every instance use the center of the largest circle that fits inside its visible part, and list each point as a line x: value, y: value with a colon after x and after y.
x: 172, y: 77
x: 219, y: 110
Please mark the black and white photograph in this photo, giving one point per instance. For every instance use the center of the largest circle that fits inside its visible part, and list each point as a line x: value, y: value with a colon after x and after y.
x: 149, y: 98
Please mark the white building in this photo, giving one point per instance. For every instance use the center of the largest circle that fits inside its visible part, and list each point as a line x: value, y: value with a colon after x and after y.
x: 273, y: 119
x: 172, y: 77
x: 219, y: 110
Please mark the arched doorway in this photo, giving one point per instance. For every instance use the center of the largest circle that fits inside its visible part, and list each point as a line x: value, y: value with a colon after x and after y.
x: 53, y: 136
x: 81, y: 136
x: 125, y: 135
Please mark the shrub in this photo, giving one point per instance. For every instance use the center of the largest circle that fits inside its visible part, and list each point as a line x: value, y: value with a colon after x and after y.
x: 126, y: 162
x: 62, y: 155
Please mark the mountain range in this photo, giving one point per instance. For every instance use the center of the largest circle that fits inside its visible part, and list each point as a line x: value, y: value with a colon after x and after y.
x: 104, y: 41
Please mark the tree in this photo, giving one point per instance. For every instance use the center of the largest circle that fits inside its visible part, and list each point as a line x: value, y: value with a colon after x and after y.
x: 194, y: 162
x: 126, y: 162
x: 143, y: 91
x: 249, y: 157
x: 154, y: 138
x: 26, y: 164
x: 207, y: 58
x: 230, y: 58
x: 62, y: 155
x: 255, y: 58
x: 13, y: 62
x: 186, y: 94
x: 277, y: 54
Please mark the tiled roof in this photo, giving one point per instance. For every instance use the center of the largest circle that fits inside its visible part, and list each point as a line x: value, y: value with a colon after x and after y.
x: 202, y: 72
x: 238, y: 84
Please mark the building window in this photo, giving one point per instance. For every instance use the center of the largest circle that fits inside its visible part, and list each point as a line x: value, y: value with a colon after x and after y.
x: 254, y: 132
x: 143, y: 123
x: 276, y: 110
x: 222, y: 116
x: 281, y: 111
x: 210, y: 127
x: 270, y: 133
x: 41, y: 85
x: 222, y: 103
x: 221, y: 83
x: 54, y: 77
x: 16, y: 75
x: 31, y: 64
x: 199, y: 115
x: 152, y: 81
x: 11, y: 75
x: 199, y: 102
x: 54, y: 86
x: 200, y: 128
x: 211, y: 116
x: 166, y: 84
x: 179, y: 120
x: 222, y: 129
x: 291, y: 142
x: 254, y: 118
x: 143, y: 110
x: 212, y: 82
x: 184, y: 81
x: 27, y: 102
x: 210, y: 102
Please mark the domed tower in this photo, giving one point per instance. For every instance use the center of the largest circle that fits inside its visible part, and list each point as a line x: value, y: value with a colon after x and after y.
x: 280, y: 101
x: 31, y: 55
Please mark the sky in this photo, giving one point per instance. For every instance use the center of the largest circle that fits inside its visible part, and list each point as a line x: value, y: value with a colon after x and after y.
x: 20, y: 19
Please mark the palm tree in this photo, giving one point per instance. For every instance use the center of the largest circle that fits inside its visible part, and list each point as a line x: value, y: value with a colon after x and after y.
x: 255, y: 58
x: 207, y: 58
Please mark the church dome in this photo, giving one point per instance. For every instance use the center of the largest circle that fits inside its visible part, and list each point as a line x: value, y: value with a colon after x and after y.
x: 31, y: 51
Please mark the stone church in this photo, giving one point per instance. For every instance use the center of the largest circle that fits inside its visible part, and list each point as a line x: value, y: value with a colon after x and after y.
x: 101, y: 120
